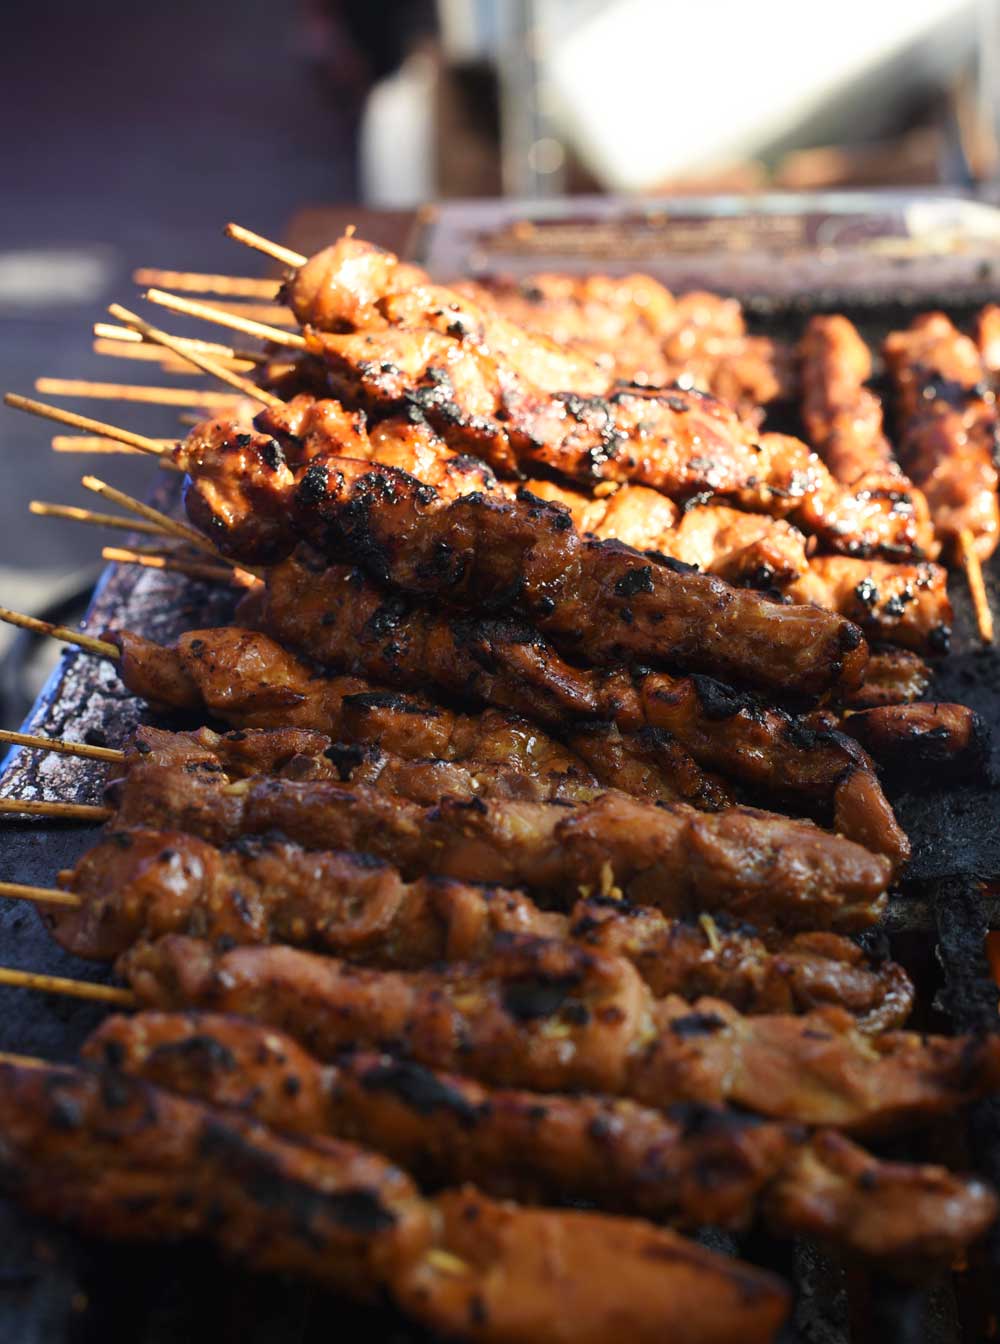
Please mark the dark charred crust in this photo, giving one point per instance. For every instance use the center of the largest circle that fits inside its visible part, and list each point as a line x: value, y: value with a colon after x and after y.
x: 527, y: 1000
x: 635, y: 581
x: 697, y: 1024
x: 418, y: 1088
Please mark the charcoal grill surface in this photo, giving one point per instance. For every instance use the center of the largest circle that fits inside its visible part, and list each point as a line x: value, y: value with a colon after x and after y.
x: 56, y: 1288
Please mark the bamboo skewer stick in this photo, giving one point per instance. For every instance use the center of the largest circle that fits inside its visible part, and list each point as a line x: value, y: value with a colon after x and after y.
x: 101, y: 647
x: 977, y: 586
x: 31, y: 807
x: 95, y: 443
x: 30, y: 1061
x: 61, y: 746
x: 59, y: 984
x: 162, y: 520
x: 273, y: 314
x: 71, y: 513
x: 19, y: 891
x: 126, y: 337
x: 156, y: 396
x: 162, y: 358
x: 99, y: 427
x: 168, y: 524
x: 210, y: 313
x: 260, y: 244
x: 212, y: 573
x: 203, y: 362
x: 197, y: 282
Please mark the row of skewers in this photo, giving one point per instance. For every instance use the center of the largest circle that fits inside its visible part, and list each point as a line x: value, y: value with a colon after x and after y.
x: 483, y: 815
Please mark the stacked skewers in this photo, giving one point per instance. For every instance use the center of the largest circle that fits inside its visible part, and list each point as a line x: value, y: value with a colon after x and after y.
x: 531, y: 667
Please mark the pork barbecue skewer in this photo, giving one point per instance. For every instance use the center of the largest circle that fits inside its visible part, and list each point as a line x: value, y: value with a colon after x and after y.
x: 948, y: 436
x: 554, y: 1017
x: 118, y: 1158
x: 695, y: 1167
x: 905, y: 603
x: 247, y: 680
x: 144, y: 883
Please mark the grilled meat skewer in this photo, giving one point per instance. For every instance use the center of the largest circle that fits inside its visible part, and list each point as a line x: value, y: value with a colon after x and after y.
x: 553, y: 1017
x: 145, y: 883
x: 243, y: 482
x: 694, y: 1167
x: 948, y: 428
x: 116, y: 1157
x: 769, y: 870
x: 246, y: 679
x: 844, y: 421
x: 525, y: 553
x: 340, y: 620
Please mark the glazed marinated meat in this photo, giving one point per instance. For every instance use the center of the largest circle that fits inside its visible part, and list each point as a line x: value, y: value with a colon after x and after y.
x: 244, y: 678
x: 116, y: 1157
x: 892, y: 677
x: 691, y: 1166
x: 231, y: 471
x: 844, y: 421
x: 121, y: 1159
x: 758, y: 866
x: 553, y: 1017
x: 247, y: 679
x: 599, y: 597
x: 902, y: 604
x: 948, y: 428
x: 941, y: 739
x: 988, y: 336
x: 147, y: 883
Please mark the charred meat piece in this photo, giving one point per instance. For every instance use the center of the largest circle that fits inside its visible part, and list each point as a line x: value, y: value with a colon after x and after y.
x: 933, y: 739
x: 758, y: 866
x: 892, y: 677
x: 146, y: 883
x: 552, y: 1017
x: 691, y: 1165
x: 988, y: 336
x: 599, y: 597
x: 948, y: 427
x: 118, y: 1158
x: 899, y: 603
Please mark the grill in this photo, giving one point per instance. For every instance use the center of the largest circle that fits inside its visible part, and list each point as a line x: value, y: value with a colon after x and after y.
x: 58, y: 1289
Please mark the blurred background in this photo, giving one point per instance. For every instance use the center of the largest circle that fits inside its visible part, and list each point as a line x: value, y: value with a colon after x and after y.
x: 134, y: 132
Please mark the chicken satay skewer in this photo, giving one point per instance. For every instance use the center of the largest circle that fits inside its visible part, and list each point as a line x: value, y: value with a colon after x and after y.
x: 98, y: 443
x: 339, y: 1215
x: 85, y: 750
x: 553, y: 1017
x: 121, y: 555
x: 702, y: 1169
x: 113, y: 334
